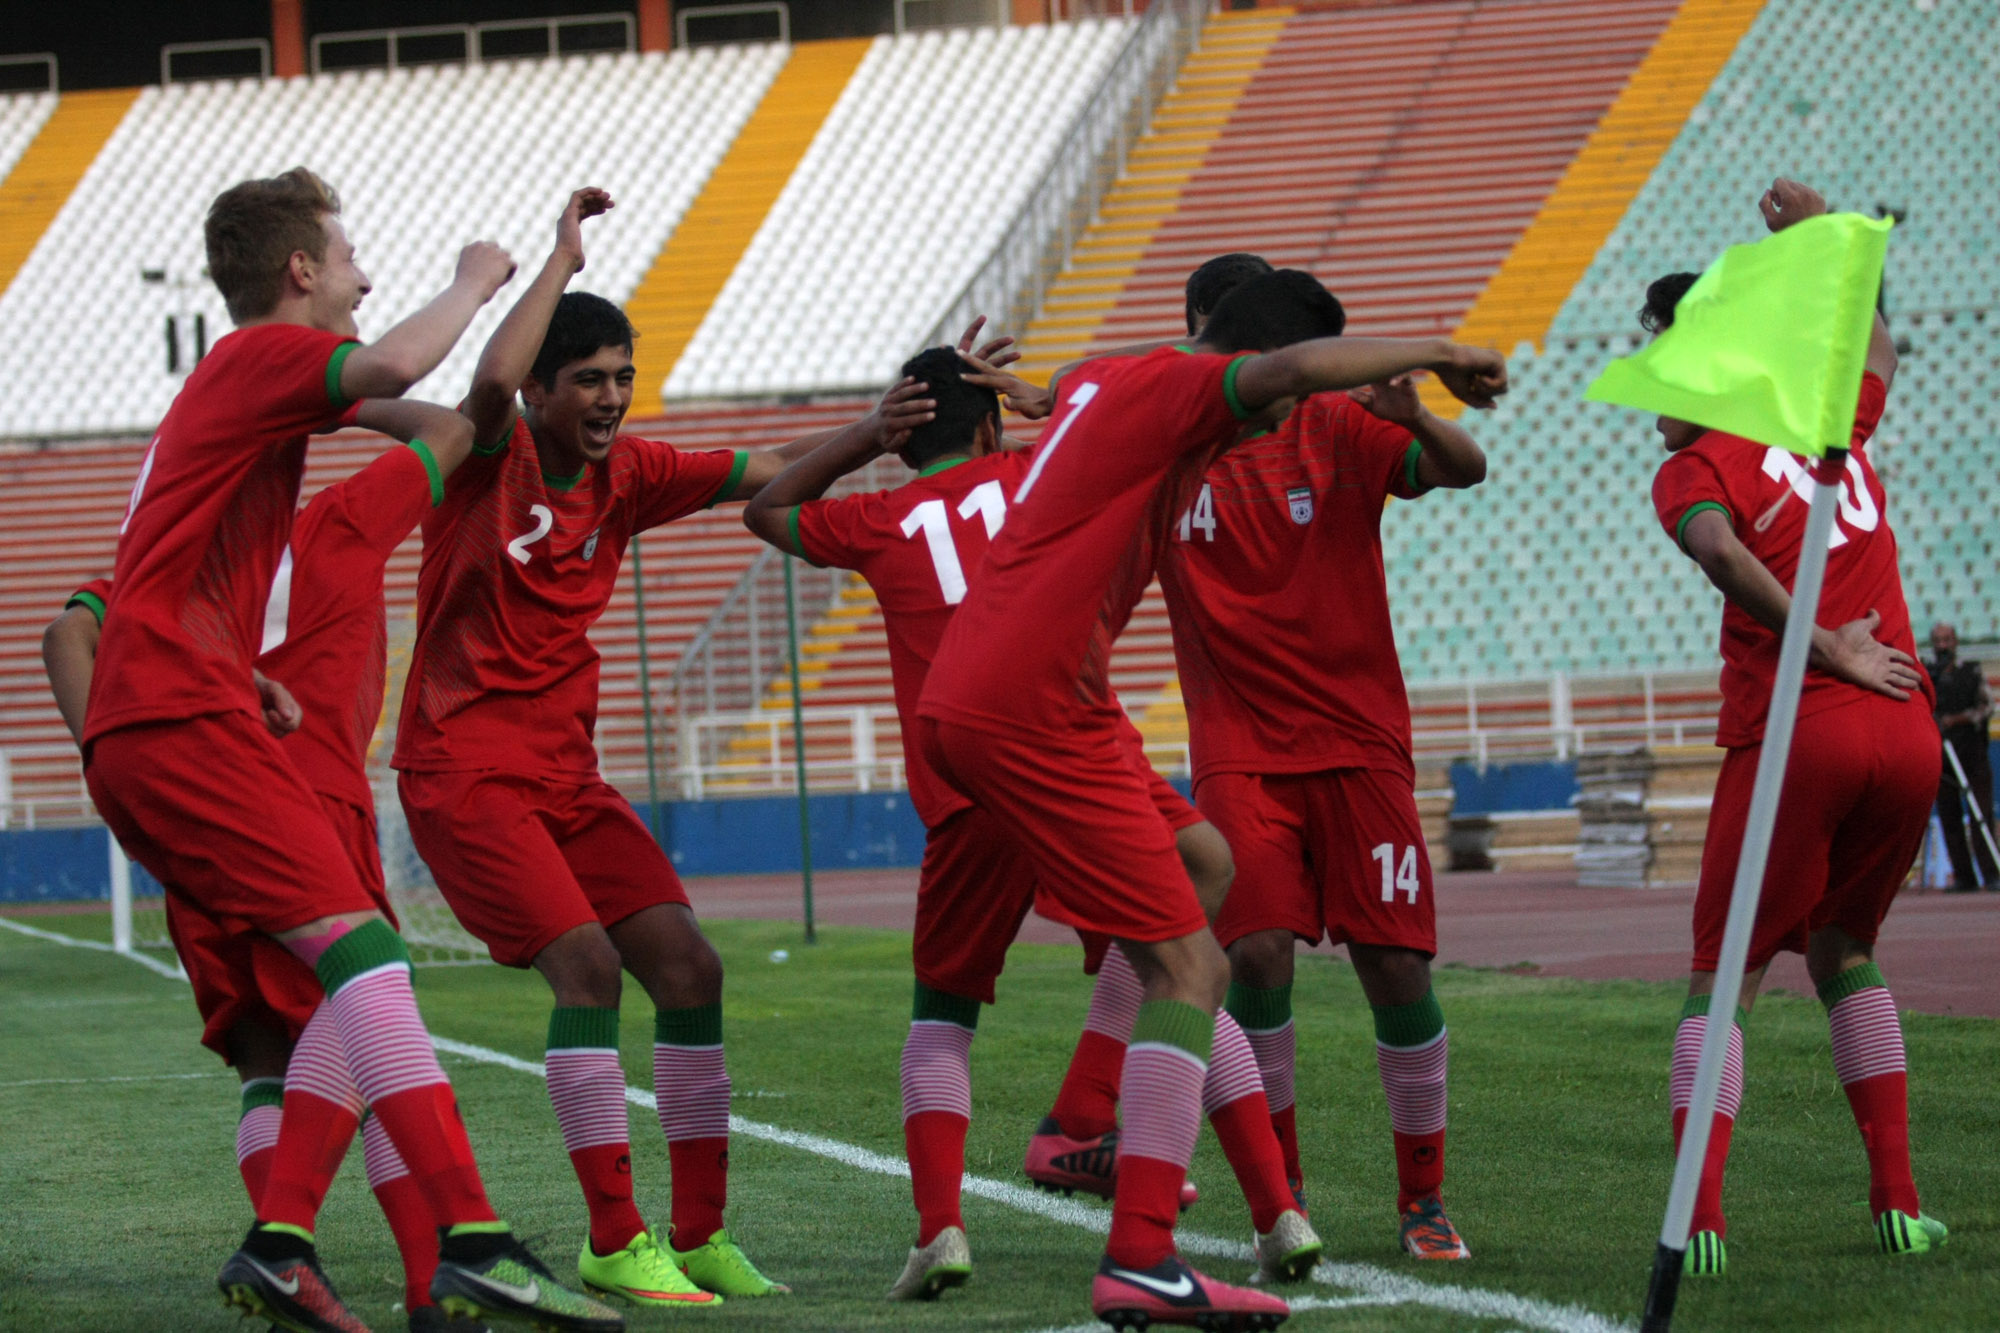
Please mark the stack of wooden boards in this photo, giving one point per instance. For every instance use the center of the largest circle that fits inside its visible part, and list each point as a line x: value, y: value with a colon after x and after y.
x: 1643, y: 815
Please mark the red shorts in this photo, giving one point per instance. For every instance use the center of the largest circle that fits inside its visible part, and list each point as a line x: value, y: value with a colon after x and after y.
x: 1104, y: 856
x: 1858, y: 791
x: 522, y: 860
x: 1339, y: 853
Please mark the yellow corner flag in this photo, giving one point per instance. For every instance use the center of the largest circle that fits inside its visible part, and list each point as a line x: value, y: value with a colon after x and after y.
x: 1770, y: 343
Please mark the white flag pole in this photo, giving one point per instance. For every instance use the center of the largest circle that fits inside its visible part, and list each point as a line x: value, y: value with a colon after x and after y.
x: 121, y: 896
x: 1763, y: 817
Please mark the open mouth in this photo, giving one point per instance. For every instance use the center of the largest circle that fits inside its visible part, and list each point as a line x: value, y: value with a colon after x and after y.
x: 601, y: 432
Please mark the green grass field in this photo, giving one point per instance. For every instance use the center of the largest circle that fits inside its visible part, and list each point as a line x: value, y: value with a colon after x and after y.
x: 121, y: 1196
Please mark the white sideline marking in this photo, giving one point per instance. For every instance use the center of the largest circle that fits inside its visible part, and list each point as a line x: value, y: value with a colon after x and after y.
x: 1371, y: 1285
x: 110, y: 1078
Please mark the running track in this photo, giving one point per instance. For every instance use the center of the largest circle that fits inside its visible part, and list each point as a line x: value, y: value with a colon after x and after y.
x: 1940, y: 952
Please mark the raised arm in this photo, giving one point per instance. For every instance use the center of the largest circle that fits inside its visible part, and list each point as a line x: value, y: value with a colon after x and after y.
x: 1448, y: 456
x: 69, y: 654
x: 510, y: 352
x: 387, y: 367
x: 1473, y: 375
x: 447, y: 434
x: 827, y: 456
x: 1851, y: 652
x: 1789, y: 201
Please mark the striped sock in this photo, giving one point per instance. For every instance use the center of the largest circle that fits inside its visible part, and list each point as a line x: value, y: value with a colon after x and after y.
x: 1412, y: 1050
x: 1233, y: 1098
x: 257, y: 1133
x: 937, y: 1105
x: 322, y: 1108
x: 691, y: 1083
x: 1265, y: 1015
x: 1165, y: 1069
x: 587, y: 1086
x: 403, y: 1205
x: 1687, y: 1053
x: 1868, y: 1060
x: 366, y: 973
x: 1087, y: 1104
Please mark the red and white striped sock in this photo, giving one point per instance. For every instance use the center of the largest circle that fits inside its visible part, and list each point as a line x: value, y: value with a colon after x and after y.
x: 1868, y: 1060
x: 1087, y: 1104
x: 1413, y: 1055
x: 937, y: 1105
x: 257, y: 1133
x: 366, y: 973
x: 587, y: 1086
x: 322, y: 1108
x: 1232, y: 1096
x: 1680, y: 1093
x: 1265, y: 1015
x: 691, y: 1084
x: 403, y: 1205
x: 1165, y: 1069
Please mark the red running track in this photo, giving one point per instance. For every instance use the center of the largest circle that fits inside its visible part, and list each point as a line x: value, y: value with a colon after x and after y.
x: 1940, y: 952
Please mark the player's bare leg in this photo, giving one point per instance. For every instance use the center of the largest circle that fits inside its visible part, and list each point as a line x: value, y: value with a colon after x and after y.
x: 1412, y: 1050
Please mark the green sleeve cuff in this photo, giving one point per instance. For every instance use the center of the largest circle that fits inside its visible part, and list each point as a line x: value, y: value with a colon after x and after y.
x: 423, y: 451
x: 333, y: 365
x: 1410, y: 457
x: 1236, y: 407
x: 736, y: 471
x: 90, y: 601
x: 1680, y: 528
x: 798, y: 542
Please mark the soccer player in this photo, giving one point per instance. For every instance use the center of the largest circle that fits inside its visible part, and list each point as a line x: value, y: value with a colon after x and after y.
x: 918, y: 545
x: 1020, y: 719
x: 325, y: 646
x: 539, y: 857
x: 176, y: 751
x: 1299, y: 730
x: 1859, y: 781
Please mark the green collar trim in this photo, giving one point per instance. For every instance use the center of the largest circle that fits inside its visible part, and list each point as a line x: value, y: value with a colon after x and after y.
x: 566, y: 483
x: 944, y: 464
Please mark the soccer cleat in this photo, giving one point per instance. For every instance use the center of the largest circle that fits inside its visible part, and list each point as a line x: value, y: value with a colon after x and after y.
x: 291, y: 1293
x: 1899, y: 1233
x: 1429, y: 1234
x: 945, y: 1262
x: 507, y: 1283
x: 719, y: 1265
x: 642, y: 1273
x: 1063, y: 1165
x: 1288, y: 1251
x: 1706, y: 1255
x: 1172, y: 1293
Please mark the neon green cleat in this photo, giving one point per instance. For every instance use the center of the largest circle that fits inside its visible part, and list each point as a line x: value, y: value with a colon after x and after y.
x: 1706, y: 1256
x: 491, y: 1277
x: 721, y: 1266
x: 642, y: 1273
x: 1899, y: 1233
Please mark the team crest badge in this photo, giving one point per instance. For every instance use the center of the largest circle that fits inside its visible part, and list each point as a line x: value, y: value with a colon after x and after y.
x: 1302, y: 503
x: 590, y: 546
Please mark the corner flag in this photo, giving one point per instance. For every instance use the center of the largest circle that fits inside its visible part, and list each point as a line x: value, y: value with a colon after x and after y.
x: 1770, y: 343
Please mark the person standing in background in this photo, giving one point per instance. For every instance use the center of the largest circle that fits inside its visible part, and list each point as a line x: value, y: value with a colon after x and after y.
x: 1964, y: 706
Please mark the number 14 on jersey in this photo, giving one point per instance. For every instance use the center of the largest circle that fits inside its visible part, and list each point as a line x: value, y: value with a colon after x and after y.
x: 1200, y: 516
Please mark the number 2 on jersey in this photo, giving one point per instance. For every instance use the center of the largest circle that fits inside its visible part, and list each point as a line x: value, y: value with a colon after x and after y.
x: 544, y: 520
x: 987, y: 500
x: 1396, y: 878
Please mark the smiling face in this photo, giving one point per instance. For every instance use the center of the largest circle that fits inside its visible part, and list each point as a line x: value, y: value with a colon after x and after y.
x: 576, y: 417
x: 336, y: 283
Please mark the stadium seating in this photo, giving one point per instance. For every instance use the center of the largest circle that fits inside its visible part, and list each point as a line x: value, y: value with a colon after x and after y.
x: 427, y: 158
x: 21, y: 118
x: 905, y: 190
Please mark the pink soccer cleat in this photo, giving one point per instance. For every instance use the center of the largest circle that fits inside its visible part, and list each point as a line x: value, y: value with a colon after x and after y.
x: 1172, y: 1293
x: 1060, y: 1164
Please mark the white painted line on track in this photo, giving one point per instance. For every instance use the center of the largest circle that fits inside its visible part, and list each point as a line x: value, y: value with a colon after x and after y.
x: 1370, y: 1285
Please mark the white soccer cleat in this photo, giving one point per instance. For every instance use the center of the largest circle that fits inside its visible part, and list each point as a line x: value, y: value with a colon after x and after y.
x: 945, y: 1262
x: 1288, y: 1251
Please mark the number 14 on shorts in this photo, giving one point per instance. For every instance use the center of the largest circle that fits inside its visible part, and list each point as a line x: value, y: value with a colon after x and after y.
x: 1399, y: 874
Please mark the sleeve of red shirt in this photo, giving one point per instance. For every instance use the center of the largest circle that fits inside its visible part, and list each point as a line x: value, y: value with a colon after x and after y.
x: 1687, y: 483
x: 296, y: 384
x: 383, y: 502
x: 1386, y: 450
x: 833, y: 533
x: 1868, y: 409
x: 672, y: 483
x: 93, y: 596
x: 1196, y: 392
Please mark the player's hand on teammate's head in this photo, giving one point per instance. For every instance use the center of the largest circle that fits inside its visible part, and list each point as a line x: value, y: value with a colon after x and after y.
x: 282, y: 713
x: 1476, y: 376
x: 1022, y: 398
x: 485, y: 265
x: 1788, y: 201
x: 1394, y: 400
x: 1853, y: 654
x: 589, y: 202
x: 902, y: 409
x: 997, y: 353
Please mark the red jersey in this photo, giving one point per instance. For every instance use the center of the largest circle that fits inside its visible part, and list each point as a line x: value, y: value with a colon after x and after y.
x: 917, y: 546
x: 326, y: 625
x: 1279, y: 605
x: 207, y: 523
x: 1765, y: 493
x: 1029, y: 650
x: 517, y: 567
